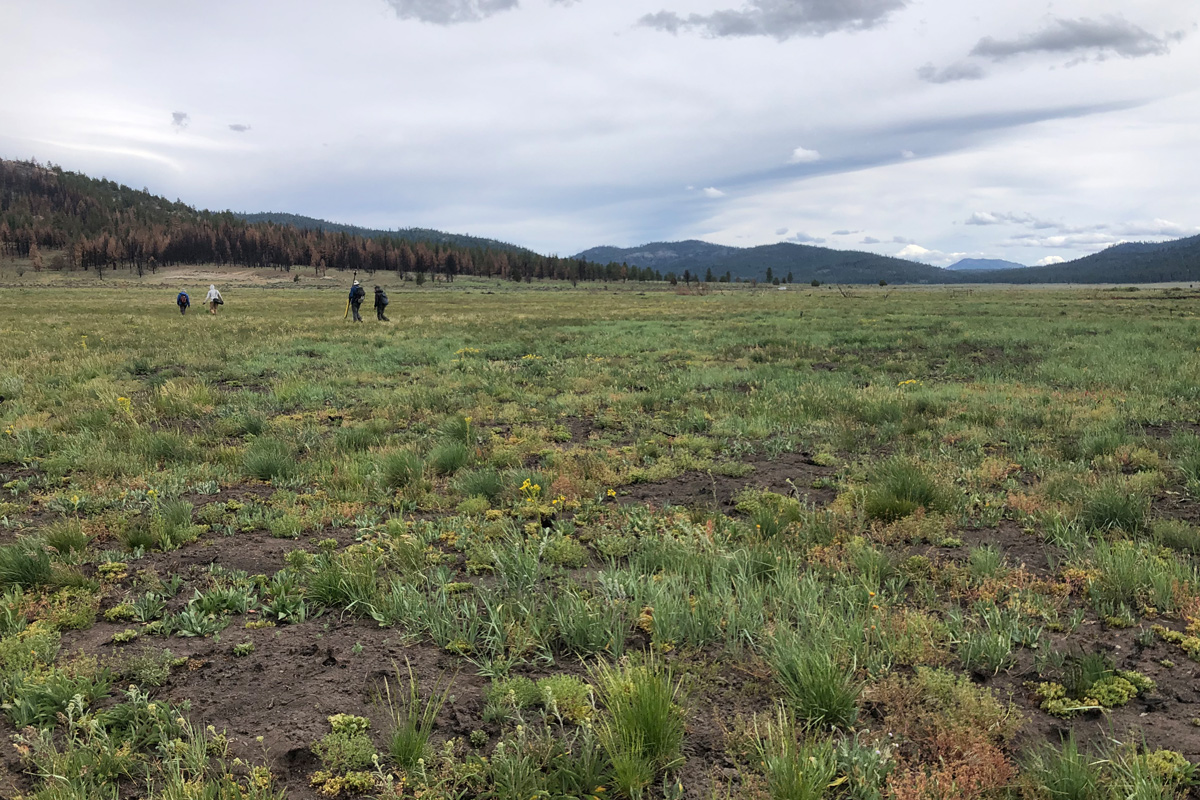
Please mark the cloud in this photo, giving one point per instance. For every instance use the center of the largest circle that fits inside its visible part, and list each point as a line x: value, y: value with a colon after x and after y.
x: 1077, y: 241
x: 1101, y: 37
x: 179, y: 119
x: 845, y: 233
x: 962, y: 71
x: 1005, y: 218
x: 804, y: 238
x: 1157, y: 227
x: 915, y: 252
x: 803, y: 156
x: 781, y: 19
x: 781, y: 231
x: 902, y: 240
x: 712, y: 191
x: 907, y: 154
x: 869, y: 240
x: 1049, y: 260
x: 449, y: 12
x: 238, y: 127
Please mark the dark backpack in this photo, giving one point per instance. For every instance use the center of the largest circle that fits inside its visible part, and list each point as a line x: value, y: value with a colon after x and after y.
x: 381, y: 298
x: 357, y: 293
x: 183, y: 299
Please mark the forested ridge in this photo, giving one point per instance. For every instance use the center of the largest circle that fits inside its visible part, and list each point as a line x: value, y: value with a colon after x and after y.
x: 98, y: 224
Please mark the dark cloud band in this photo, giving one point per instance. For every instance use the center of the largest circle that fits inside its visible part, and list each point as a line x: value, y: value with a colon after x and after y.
x: 780, y: 19
x: 1110, y: 35
x: 449, y: 12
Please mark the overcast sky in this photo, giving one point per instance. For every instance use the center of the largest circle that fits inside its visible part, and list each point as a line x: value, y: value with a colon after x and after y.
x: 1030, y: 130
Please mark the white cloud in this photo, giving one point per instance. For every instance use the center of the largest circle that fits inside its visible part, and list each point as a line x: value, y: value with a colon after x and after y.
x: 906, y: 154
x: 804, y: 238
x: 869, y: 240
x: 803, y: 155
x: 1049, y: 260
x: 781, y: 231
x: 712, y: 191
x: 915, y: 252
x: 540, y: 126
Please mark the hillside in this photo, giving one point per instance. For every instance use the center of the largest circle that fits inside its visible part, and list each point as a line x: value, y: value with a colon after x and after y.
x: 804, y: 262
x: 101, y: 225
x: 984, y: 264
x: 1134, y: 262
x: 408, y: 234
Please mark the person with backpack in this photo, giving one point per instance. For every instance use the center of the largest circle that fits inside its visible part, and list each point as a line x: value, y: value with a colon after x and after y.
x: 183, y: 301
x: 357, y: 293
x: 213, y: 299
x: 381, y: 301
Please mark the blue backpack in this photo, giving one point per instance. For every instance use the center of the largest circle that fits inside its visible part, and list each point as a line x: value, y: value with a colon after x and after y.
x: 183, y: 299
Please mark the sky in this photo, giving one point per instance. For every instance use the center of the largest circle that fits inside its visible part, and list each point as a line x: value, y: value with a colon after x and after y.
x: 1028, y: 130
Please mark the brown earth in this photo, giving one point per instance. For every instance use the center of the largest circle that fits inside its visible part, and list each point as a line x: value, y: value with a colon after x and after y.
x: 791, y: 474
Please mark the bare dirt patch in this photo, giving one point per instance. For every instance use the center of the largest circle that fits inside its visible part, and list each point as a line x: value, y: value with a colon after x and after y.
x: 792, y: 474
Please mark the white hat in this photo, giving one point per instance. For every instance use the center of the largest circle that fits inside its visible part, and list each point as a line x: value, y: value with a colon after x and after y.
x: 355, y: 283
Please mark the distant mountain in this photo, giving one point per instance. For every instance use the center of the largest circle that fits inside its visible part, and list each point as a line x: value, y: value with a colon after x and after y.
x: 408, y: 234
x: 662, y: 255
x: 984, y: 264
x: 1133, y: 262
x: 804, y: 263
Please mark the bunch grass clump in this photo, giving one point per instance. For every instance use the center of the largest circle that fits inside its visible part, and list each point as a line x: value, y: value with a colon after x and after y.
x: 899, y: 487
x: 642, y: 727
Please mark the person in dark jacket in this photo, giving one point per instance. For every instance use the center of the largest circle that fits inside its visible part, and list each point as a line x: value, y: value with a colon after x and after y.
x: 381, y: 301
x: 183, y: 301
x: 357, y: 293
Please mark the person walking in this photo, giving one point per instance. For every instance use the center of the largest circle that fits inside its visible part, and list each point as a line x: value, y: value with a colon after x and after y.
x: 213, y: 299
x: 381, y: 301
x: 357, y: 293
x: 183, y: 301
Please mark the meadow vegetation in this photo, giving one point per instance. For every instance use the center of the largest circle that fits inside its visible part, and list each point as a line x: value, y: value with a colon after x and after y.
x: 912, y: 544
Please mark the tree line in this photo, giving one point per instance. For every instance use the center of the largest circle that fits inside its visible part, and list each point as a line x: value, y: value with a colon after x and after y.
x: 98, y: 224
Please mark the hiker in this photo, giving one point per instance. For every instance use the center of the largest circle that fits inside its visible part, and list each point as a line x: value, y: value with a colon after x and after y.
x: 357, y: 293
x: 183, y: 301
x: 213, y: 299
x: 381, y: 302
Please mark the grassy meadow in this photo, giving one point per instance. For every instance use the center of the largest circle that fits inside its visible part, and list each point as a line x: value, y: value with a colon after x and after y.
x: 534, y: 542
